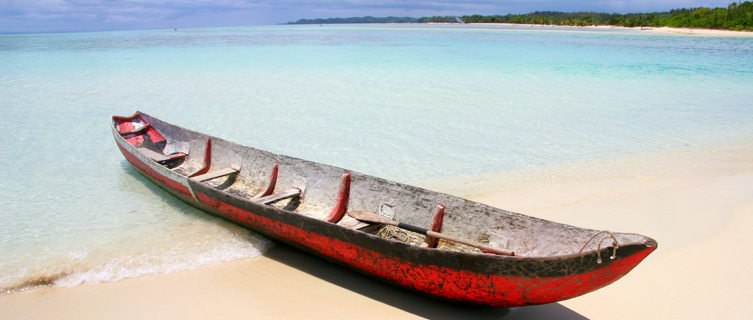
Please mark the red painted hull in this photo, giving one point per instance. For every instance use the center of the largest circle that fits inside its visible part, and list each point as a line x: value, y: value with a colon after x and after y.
x: 464, y: 277
x: 448, y: 283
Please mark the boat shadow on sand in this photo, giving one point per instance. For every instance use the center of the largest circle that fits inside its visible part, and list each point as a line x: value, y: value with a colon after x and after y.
x: 364, y: 285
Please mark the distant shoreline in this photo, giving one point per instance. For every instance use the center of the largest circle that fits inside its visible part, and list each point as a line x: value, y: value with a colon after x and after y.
x: 657, y: 30
x: 734, y: 17
x: 663, y: 30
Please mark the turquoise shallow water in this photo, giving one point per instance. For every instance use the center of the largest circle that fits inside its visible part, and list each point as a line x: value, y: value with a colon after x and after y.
x: 410, y: 103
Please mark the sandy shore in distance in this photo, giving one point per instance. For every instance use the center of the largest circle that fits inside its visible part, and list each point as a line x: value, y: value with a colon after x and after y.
x: 661, y: 30
x: 698, y: 205
x: 689, y: 31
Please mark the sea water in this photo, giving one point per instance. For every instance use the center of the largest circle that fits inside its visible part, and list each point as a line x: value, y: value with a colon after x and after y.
x: 412, y: 103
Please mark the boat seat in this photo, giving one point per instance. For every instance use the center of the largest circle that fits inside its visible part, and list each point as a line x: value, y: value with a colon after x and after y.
x: 135, y: 131
x: 272, y: 198
x: 214, y: 174
x: 353, y: 224
x: 158, y: 157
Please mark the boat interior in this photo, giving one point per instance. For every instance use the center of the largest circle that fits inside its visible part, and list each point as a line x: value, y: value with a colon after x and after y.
x: 327, y: 193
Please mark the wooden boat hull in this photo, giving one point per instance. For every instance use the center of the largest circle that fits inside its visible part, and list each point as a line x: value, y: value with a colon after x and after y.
x: 477, y: 278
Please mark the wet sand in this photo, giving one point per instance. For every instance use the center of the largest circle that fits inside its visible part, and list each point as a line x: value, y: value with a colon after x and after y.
x: 698, y: 205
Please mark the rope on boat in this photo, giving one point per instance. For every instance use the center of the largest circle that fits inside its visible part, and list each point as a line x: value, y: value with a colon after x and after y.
x: 615, y: 245
x: 393, y: 233
x: 410, y: 237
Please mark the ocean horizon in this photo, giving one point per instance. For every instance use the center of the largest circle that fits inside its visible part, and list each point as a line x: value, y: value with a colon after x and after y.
x: 419, y: 104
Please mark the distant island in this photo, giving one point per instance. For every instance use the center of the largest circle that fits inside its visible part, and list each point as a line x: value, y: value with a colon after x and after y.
x: 736, y: 16
x: 367, y: 19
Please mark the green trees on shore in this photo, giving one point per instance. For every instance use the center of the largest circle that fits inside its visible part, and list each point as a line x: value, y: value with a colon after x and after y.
x: 733, y: 17
x: 736, y: 16
x: 442, y: 19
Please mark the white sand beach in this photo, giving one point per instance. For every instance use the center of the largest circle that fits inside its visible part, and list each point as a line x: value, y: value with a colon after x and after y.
x: 658, y: 30
x: 697, y: 204
x: 691, y: 31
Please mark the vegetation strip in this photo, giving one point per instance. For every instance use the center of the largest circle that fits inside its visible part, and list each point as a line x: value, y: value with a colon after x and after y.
x: 736, y: 16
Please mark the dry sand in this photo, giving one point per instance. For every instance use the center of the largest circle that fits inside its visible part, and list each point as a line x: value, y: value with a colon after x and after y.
x: 698, y: 205
x: 656, y: 30
x: 691, y: 31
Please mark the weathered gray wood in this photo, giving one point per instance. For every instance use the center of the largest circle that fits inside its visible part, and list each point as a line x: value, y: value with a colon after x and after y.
x: 353, y: 224
x: 377, y: 218
x: 525, y: 235
x: 292, y: 192
x: 153, y: 155
x: 214, y: 174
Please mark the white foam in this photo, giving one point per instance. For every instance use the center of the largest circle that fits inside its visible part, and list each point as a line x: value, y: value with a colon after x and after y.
x: 187, y: 242
x: 167, y: 261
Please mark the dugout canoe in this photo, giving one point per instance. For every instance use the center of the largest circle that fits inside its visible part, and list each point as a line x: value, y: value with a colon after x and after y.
x: 307, y: 205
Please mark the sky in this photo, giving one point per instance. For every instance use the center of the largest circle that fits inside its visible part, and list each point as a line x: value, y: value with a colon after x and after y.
x: 29, y: 16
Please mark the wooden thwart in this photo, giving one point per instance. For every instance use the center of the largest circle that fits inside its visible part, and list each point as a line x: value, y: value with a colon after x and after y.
x: 272, y: 198
x: 214, y: 174
x: 135, y: 131
x: 377, y: 218
x: 353, y: 224
x: 158, y: 157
